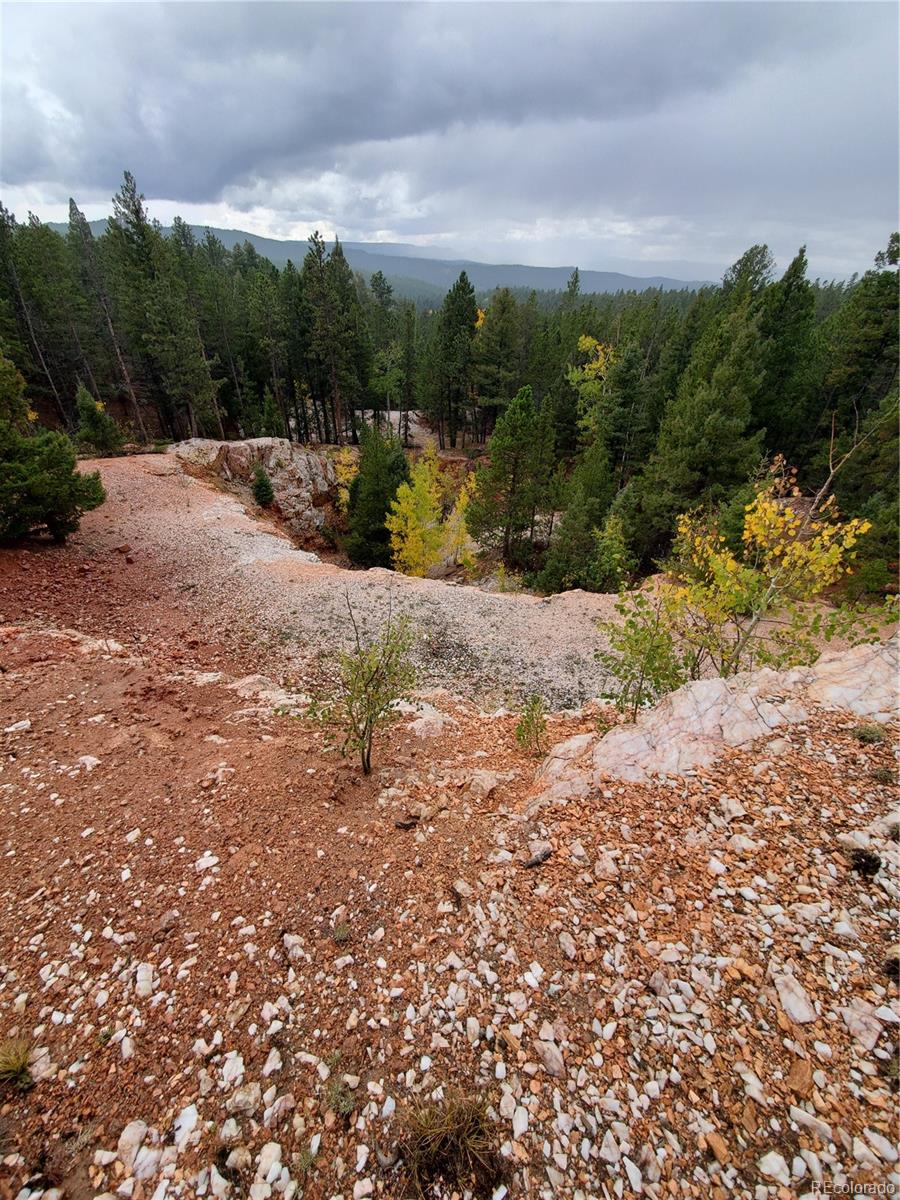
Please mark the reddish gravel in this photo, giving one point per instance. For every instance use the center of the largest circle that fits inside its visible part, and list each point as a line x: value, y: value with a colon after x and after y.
x: 237, y: 961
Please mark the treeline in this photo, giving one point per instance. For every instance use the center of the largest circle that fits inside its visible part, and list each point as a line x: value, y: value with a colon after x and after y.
x: 192, y: 339
x: 659, y: 412
x: 182, y: 337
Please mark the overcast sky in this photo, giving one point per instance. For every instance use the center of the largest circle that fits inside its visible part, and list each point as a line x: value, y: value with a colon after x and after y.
x: 642, y: 137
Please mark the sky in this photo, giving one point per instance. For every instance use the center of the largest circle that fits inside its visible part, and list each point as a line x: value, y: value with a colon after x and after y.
x: 643, y: 137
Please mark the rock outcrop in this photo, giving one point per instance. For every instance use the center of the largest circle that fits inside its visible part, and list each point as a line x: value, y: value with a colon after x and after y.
x: 303, y: 480
x: 689, y: 728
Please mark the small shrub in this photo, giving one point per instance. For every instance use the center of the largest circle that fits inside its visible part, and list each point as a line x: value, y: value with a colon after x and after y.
x: 505, y: 581
x: 869, y: 735
x: 97, y: 430
x: 339, y: 1097
x: 452, y: 1143
x: 644, y: 660
x: 40, y: 487
x: 341, y: 933
x: 883, y: 775
x: 892, y: 1071
x: 531, y: 731
x: 372, y: 677
x: 305, y: 1160
x: 14, y: 1070
x: 262, y: 487
x: 866, y: 862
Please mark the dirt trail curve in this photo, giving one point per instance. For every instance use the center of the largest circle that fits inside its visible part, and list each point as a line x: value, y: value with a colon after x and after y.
x: 250, y: 584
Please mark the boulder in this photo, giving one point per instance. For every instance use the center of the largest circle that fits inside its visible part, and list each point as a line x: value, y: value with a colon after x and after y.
x: 690, y: 727
x: 303, y: 480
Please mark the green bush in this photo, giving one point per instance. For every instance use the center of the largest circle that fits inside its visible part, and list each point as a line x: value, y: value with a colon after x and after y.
x: 262, y: 487
x: 531, y: 730
x: 39, y: 486
x: 870, y: 578
x: 371, y: 678
x: 97, y: 430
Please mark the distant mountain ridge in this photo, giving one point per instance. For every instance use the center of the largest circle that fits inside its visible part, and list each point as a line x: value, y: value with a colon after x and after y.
x: 404, y: 264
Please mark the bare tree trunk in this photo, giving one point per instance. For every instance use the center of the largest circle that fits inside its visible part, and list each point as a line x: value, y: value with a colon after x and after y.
x: 135, y: 407
x: 34, y: 341
x: 85, y: 361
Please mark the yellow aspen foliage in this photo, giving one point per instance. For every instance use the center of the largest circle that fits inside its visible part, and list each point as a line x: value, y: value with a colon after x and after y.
x: 458, y: 545
x: 479, y: 320
x: 600, y: 357
x: 723, y: 611
x: 414, y: 520
x: 346, y: 468
x: 589, y: 381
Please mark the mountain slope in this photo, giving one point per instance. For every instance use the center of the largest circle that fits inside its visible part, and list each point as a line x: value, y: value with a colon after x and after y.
x: 403, y: 263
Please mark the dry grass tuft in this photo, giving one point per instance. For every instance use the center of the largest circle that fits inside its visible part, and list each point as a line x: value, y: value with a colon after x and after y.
x: 869, y: 734
x: 339, y: 1097
x: 451, y: 1142
x: 14, y: 1072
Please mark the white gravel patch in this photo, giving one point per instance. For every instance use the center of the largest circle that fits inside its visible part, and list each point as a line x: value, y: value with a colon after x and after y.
x: 489, y: 646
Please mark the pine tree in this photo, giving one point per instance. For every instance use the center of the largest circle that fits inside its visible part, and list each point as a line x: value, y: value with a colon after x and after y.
x: 382, y: 311
x: 40, y: 488
x: 97, y: 430
x: 22, y: 301
x: 95, y: 285
x: 787, y: 330
x: 13, y: 405
x: 271, y: 423
x: 409, y: 376
x: 569, y: 559
x: 382, y: 468
x: 457, y: 331
x: 612, y: 563
x: 262, y: 486
x: 569, y: 562
x: 500, y: 511
x: 861, y: 348
x: 704, y: 449
x: 496, y: 357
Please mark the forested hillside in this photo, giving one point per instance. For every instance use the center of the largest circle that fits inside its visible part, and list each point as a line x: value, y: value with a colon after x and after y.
x: 605, y: 417
x: 423, y: 272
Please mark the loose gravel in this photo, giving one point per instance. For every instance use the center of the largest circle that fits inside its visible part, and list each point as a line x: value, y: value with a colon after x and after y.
x: 247, y: 578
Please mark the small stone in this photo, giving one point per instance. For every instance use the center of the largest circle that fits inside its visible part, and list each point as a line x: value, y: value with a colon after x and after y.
x: 794, y: 1000
x: 716, y: 1143
x: 800, y: 1079
x: 635, y: 1178
x: 143, y: 980
x: 273, y: 1063
x: 567, y: 944
x: 130, y: 1141
x: 519, y: 1121
x: 773, y: 1166
x: 551, y: 1056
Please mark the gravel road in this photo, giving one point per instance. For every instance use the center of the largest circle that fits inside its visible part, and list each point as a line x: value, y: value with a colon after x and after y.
x: 250, y: 582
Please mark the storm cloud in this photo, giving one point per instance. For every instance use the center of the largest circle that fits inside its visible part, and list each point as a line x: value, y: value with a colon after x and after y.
x: 630, y: 136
